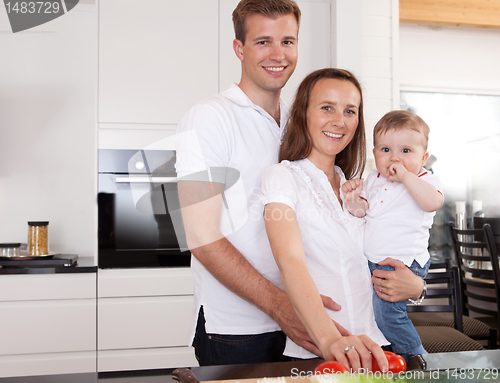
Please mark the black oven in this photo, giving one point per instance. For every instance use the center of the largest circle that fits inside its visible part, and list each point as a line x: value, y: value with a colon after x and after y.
x: 135, y: 226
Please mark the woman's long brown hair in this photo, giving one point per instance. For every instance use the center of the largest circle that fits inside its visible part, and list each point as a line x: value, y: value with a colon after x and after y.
x: 297, y: 144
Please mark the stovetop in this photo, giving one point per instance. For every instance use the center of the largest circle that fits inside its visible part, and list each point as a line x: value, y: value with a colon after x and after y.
x: 57, y: 260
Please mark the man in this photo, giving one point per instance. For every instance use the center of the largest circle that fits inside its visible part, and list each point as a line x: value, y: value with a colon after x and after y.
x: 239, y: 305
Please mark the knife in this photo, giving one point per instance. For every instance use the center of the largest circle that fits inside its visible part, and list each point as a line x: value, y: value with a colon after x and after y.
x: 184, y: 375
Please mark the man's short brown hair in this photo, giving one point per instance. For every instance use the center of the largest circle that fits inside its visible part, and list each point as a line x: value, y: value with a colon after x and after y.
x: 268, y: 8
x: 399, y: 120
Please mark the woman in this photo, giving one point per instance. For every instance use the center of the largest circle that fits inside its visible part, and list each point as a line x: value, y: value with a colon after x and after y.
x: 317, y: 245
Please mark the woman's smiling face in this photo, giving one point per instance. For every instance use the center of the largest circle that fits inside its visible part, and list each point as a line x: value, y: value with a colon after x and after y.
x: 332, y: 116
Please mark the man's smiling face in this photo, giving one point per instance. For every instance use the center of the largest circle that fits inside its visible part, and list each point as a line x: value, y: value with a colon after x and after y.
x: 269, y: 55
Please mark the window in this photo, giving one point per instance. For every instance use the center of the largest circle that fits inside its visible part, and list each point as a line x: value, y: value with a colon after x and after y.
x: 465, y: 140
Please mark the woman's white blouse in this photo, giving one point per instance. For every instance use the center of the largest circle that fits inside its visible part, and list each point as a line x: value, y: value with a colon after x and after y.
x: 333, y: 245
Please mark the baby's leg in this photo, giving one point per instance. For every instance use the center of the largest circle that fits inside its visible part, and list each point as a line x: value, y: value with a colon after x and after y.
x: 393, y: 321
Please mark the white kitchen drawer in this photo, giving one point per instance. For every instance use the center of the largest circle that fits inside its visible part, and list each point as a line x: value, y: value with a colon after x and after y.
x: 31, y: 327
x: 126, y: 323
x: 47, y: 364
x: 145, y: 282
x: 145, y: 359
x: 31, y: 287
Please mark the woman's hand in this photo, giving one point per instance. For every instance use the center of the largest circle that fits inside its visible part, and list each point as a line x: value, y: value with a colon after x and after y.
x: 398, y: 285
x: 355, y: 352
x: 290, y: 324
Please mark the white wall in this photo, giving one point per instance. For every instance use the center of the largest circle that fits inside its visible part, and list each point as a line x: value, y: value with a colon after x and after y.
x: 365, y: 42
x: 380, y: 37
x: 47, y: 130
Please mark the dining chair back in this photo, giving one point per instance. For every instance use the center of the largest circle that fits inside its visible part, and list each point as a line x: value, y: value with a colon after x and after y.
x: 480, y: 291
x: 493, y: 245
x: 494, y: 222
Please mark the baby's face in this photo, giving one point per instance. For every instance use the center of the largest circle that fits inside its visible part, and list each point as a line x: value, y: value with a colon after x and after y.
x: 405, y: 146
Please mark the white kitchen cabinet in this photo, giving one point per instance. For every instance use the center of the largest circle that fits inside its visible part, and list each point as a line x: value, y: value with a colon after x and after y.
x: 48, y: 326
x: 146, y: 359
x: 47, y: 364
x: 31, y: 287
x: 115, y: 283
x: 49, y: 323
x: 144, y: 318
x: 144, y: 322
x: 157, y: 58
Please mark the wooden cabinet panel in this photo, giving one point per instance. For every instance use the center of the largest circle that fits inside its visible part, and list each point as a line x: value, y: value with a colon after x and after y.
x: 157, y: 58
x: 460, y: 13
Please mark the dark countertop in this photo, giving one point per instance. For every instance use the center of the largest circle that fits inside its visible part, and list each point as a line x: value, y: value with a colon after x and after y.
x: 53, y: 265
x: 440, y: 368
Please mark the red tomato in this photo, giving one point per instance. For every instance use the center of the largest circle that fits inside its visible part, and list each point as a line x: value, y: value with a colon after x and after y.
x: 330, y: 368
x: 396, y: 363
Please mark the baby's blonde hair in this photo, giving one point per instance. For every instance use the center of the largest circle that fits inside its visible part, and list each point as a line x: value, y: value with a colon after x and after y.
x: 399, y: 120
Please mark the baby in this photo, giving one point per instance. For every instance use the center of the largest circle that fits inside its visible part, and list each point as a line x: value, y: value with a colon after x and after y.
x: 398, y: 201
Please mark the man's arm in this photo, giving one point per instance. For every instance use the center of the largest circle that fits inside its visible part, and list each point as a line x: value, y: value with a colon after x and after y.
x: 397, y: 285
x: 201, y: 204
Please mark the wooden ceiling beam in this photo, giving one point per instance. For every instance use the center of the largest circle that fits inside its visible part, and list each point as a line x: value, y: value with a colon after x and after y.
x: 460, y: 13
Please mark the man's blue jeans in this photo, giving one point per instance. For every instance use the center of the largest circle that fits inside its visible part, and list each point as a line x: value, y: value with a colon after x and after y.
x: 391, y: 317
x: 215, y: 349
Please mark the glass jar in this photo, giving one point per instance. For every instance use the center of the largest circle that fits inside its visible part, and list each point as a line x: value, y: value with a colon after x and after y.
x: 38, y: 238
x: 10, y: 250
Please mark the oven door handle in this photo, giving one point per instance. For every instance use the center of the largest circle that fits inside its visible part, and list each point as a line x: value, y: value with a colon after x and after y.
x: 148, y: 180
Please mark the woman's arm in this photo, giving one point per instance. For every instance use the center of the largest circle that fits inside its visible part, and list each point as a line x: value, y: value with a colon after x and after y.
x: 286, y: 244
x: 398, y: 285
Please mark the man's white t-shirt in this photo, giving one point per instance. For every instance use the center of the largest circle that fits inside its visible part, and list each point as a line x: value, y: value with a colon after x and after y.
x: 396, y: 226
x: 235, y: 140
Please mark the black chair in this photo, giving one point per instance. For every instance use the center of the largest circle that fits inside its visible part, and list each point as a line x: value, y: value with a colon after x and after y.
x: 471, y: 327
x: 480, y: 296
x: 493, y: 245
x: 436, y: 339
x: 494, y: 222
